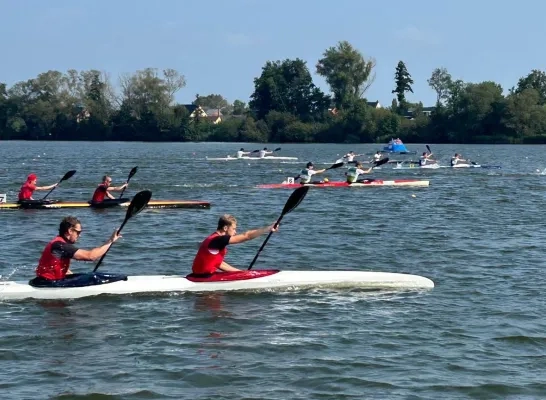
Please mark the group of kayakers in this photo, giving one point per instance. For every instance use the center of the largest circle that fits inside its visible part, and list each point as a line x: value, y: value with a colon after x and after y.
x: 428, y: 159
x: 101, y: 192
x: 261, y: 153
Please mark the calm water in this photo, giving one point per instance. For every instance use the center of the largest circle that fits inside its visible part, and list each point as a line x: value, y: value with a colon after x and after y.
x: 478, y: 234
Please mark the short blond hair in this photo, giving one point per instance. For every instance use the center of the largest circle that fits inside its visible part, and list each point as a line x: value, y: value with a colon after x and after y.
x: 226, y: 220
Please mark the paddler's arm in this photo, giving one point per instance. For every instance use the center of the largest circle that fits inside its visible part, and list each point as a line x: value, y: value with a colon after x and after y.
x: 118, y: 188
x: 320, y: 171
x: 252, y: 234
x: 46, y: 187
x: 92, y: 255
x: 226, y: 267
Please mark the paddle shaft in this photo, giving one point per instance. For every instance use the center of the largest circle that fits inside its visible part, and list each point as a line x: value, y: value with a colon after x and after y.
x: 66, y: 176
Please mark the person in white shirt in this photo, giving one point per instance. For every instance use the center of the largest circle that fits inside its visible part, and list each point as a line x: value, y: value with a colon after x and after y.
x: 264, y: 152
x: 377, y: 156
x: 426, y: 158
x: 242, y: 153
x: 353, y: 172
x: 350, y: 156
x: 456, y: 159
x: 308, y: 172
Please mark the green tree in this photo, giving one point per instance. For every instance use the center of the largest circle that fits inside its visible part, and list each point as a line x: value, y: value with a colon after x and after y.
x: 287, y: 86
x: 440, y: 81
x: 215, y: 101
x: 239, y: 107
x: 348, y: 73
x: 535, y: 80
x: 403, y: 82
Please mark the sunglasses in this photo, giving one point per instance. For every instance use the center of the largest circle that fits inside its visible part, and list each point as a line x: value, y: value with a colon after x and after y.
x: 78, y: 232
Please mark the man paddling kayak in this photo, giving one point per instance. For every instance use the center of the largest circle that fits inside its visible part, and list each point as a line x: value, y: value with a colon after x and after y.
x: 242, y: 153
x: 30, y: 186
x: 353, y: 172
x: 54, y: 264
x: 457, y: 159
x: 308, y: 172
x: 377, y: 156
x: 264, y: 152
x: 426, y: 159
x: 103, y: 190
x: 210, y: 256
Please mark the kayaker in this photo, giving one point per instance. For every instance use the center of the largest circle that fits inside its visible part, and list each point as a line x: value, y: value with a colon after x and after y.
x: 426, y: 158
x: 210, y: 256
x: 264, y: 152
x: 350, y: 156
x: 25, y: 193
x: 306, y: 174
x: 456, y: 159
x: 242, y: 153
x: 377, y: 156
x: 353, y: 172
x: 103, y: 190
x: 54, y: 264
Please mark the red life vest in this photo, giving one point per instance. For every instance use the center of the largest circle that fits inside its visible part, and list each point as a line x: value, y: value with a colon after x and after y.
x: 206, y: 262
x: 50, y: 267
x: 100, y: 193
x: 26, y: 191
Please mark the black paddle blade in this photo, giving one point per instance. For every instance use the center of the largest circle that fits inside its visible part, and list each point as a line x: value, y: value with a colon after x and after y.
x: 336, y: 165
x: 381, y: 162
x: 139, y: 202
x: 255, y: 151
x: 68, y: 175
x: 132, y: 173
x: 295, y: 199
x: 428, y: 148
x: 277, y: 149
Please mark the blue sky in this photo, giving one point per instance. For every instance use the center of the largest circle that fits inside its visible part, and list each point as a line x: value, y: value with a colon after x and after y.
x: 221, y: 46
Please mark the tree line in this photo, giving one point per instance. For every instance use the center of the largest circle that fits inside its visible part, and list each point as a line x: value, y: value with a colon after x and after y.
x: 286, y: 106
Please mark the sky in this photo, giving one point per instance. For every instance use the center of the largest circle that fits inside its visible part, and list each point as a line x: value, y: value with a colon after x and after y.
x: 221, y: 46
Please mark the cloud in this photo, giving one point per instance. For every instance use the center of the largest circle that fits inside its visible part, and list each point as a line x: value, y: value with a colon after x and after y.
x: 240, y: 40
x: 413, y: 34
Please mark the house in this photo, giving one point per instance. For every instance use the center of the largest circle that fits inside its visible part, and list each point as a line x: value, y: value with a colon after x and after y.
x: 425, y: 111
x: 374, y: 104
x: 214, y: 115
x: 195, y: 111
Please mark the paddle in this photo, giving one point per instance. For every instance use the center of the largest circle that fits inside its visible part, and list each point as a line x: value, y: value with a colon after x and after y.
x: 133, y: 171
x: 293, y: 201
x: 428, y: 148
x: 257, y: 151
x: 138, y: 203
x: 334, y: 166
x: 66, y: 176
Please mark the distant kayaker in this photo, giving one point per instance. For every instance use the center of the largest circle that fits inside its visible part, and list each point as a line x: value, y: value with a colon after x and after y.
x: 377, y: 156
x: 353, y: 172
x: 54, y: 263
x: 350, y: 156
x: 210, y: 256
x: 103, y: 190
x: 242, y: 153
x: 425, y: 159
x: 264, y: 152
x: 306, y: 174
x: 456, y: 159
x: 28, y: 188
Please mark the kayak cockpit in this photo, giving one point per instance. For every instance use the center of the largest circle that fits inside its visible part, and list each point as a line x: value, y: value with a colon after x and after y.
x: 231, y: 275
x: 78, y: 280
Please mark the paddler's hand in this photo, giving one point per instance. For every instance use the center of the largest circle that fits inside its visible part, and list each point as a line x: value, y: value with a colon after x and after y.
x: 272, y: 228
x: 114, y: 236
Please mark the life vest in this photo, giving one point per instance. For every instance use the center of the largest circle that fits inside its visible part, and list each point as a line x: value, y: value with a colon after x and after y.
x: 100, y: 193
x: 50, y: 267
x: 352, y: 174
x: 207, y: 262
x: 26, y: 191
x: 305, y: 175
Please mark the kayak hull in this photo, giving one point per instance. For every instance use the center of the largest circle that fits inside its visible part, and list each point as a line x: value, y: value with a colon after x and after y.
x: 375, y: 182
x: 416, y: 166
x: 83, y: 204
x: 19, y: 290
x: 245, y: 158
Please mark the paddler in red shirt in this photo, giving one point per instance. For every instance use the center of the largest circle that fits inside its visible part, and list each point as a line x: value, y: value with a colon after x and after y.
x: 211, y: 253
x: 103, y: 190
x: 54, y: 263
x: 30, y: 186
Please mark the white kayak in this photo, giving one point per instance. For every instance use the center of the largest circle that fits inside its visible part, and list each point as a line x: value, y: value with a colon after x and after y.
x: 245, y: 158
x: 436, y: 166
x: 116, y: 284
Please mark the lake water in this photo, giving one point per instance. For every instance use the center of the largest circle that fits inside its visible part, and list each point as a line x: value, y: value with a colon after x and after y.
x: 477, y: 233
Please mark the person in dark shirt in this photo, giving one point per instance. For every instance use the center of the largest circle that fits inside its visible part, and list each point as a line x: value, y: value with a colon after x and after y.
x: 103, y: 190
x: 54, y: 263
